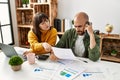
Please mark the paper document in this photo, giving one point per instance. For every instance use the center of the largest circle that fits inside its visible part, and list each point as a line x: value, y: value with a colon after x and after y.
x: 70, y: 71
x: 95, y: 72
x: 45, y: 71
x: 20, y: 50
x: 63, y: 53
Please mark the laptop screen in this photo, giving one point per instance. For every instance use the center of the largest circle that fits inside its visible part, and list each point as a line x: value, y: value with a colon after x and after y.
x: 8, y: 50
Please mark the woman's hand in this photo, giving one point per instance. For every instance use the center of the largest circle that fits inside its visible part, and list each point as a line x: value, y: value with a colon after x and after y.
x: 47, y: 47
x: 26, y: 52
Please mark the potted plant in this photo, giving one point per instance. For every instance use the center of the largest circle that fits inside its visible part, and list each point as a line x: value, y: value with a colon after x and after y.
x: 114, y: 52
x: 25, y: 3
x: 15, y: 62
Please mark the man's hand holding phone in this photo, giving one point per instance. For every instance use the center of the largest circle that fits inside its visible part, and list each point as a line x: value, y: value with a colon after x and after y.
x: 91, y: 34
x: 88, y: 28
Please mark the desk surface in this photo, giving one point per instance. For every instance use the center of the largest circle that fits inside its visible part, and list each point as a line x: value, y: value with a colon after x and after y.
x: 101, y: 70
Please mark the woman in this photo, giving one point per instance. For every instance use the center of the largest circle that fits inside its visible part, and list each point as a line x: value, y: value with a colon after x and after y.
x: 42, y: 36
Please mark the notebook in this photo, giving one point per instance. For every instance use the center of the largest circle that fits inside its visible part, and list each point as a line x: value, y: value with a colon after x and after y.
x: 9, y: 51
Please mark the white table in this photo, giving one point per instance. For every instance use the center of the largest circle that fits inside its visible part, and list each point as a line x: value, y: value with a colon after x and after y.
x: 101, y: 70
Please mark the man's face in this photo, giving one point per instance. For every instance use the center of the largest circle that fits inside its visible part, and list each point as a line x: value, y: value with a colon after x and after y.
x: 79, y: 25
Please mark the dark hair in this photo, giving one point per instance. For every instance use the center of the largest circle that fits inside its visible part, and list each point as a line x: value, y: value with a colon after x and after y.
x: 38, y: 18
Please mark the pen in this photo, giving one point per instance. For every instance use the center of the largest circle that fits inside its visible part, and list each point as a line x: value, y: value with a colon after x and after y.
x: 83, y: 60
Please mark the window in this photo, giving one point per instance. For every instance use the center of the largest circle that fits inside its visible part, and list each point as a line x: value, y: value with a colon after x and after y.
x: 6, y: 31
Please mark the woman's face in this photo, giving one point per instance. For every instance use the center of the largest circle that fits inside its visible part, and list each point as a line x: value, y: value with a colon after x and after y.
x: 45, y: 25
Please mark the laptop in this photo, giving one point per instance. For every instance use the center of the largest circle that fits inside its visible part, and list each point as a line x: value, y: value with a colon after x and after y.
x: 9, y: 51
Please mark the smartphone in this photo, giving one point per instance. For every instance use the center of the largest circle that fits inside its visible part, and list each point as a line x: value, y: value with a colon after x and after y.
x: 88, y: 23
x: 42, y: 57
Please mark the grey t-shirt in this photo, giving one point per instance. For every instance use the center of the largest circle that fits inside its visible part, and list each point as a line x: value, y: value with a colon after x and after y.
x: 79, y: 46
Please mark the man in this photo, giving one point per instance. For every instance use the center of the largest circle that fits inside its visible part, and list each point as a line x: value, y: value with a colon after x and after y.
x: 81, y: 39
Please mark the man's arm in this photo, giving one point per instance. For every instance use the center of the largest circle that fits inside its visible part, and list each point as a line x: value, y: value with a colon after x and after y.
x: 92, y: 41
x: 93, y: 50
x: 94, y: 53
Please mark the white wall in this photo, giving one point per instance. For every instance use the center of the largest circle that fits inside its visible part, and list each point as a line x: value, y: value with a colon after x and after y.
x: 100, y: 12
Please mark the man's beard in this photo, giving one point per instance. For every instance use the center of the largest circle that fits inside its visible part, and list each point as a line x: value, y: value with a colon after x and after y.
x: 80, y: 32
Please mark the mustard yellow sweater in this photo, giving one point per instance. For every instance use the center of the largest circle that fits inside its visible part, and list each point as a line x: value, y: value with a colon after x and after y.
x: 48, y: 36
